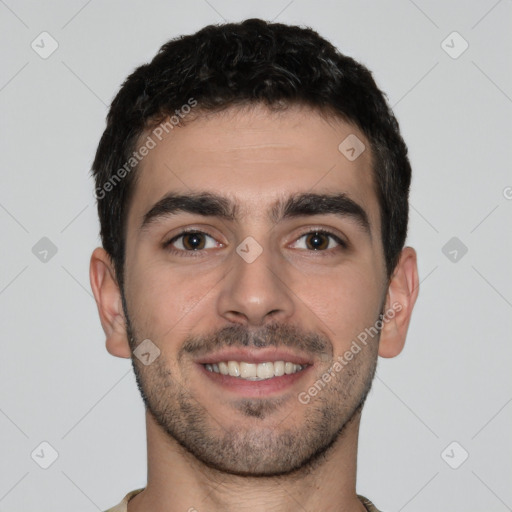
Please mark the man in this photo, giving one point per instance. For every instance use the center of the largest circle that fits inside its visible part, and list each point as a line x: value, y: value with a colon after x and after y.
x: 252, y: 190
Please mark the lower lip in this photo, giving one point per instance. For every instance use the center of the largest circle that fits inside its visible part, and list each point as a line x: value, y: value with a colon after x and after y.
x: 253, y: 388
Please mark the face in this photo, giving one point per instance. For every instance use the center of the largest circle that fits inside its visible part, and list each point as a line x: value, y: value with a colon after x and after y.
x: 253, y: 260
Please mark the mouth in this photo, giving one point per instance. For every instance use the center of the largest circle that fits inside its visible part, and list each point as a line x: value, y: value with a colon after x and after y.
x: 255, y: 371
x: 259, y: 372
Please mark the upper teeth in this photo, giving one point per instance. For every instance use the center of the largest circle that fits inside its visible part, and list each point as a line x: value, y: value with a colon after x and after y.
x: 252, y: 371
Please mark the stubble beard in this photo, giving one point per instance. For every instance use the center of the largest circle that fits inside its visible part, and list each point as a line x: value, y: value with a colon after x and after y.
x: 265, y: 448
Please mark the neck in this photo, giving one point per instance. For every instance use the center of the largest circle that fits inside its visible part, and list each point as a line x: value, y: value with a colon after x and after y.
x: 177, y: 481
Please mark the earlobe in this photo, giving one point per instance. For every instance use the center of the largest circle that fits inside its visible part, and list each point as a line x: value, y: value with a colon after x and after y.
x: 402, y: 293
x: 108, y: 300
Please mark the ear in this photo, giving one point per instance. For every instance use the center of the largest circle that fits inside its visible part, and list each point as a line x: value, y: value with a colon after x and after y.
x: 401, y: 296
x: 108, y: 299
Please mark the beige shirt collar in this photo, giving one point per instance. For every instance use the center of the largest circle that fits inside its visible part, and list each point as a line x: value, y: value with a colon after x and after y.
x: 123, y: 506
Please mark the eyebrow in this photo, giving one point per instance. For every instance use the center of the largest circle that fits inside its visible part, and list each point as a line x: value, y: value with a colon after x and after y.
x: 297, y: 205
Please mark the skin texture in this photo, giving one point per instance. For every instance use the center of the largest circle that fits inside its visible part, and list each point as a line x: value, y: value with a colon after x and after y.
x: 213, y: 448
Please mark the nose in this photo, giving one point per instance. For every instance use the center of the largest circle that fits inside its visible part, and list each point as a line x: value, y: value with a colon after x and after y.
x: 256, y: 291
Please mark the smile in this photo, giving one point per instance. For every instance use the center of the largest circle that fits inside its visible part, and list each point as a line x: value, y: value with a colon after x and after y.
x: 255, y: 371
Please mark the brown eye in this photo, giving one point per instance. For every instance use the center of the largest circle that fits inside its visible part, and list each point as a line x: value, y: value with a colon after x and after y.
x: 317, y: 241
x: 193, y: 241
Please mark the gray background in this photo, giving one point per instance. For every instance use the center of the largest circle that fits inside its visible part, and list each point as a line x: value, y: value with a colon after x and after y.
x: 451, y: 383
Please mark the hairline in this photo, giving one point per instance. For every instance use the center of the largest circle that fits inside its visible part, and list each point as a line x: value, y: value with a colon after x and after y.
x: 328, y: 113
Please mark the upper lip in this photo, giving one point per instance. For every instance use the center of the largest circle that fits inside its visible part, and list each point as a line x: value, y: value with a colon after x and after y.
x: 254, y: 355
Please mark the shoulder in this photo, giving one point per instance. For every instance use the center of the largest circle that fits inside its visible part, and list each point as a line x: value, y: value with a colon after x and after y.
x: 370, y: 507
x: 123, y: 506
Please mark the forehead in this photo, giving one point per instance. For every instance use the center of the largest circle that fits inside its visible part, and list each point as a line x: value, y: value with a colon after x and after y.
x: 255, y: 157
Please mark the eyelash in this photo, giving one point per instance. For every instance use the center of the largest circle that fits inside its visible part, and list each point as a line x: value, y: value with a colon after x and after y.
x: 197, y: 253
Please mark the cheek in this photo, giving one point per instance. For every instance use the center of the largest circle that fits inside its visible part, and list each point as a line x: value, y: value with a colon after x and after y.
x: 346, y: 301
x: 163, y: 297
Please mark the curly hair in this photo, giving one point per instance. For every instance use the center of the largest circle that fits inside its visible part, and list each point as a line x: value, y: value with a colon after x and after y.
x: 236, y: 64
